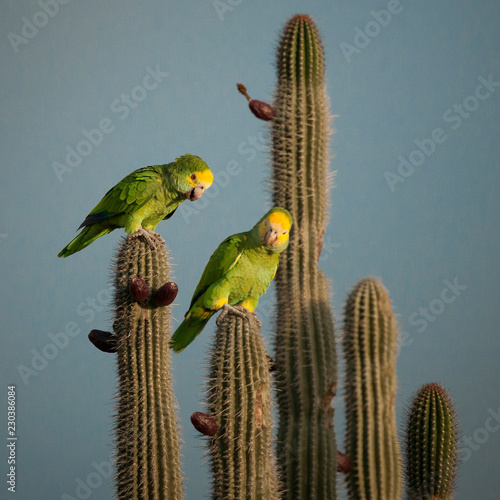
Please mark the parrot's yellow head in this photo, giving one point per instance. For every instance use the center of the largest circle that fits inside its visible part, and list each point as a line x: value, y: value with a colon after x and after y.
x: 194, y: 177
x: 199, y: 181
x: 274, y: 229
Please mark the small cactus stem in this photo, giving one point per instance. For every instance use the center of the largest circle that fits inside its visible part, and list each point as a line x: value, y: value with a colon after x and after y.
x: 306, y: 366
x: 370, y: 348
x: 431, y: 457
x: 239, y: 399
x: 147, y: 461
x: 243, y: 90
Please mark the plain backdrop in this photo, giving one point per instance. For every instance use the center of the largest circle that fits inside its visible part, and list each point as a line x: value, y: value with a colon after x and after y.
x: 414, y: 87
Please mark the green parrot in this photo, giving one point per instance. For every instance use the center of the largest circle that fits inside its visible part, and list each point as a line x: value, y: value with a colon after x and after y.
x: 142, y: 199
x: 237, y: 274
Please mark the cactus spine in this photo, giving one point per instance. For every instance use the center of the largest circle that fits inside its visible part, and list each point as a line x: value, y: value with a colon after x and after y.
x: 239, y: 400
x: 306, y: 376
x: 370, y: 348
x: 431, y: 445
x: 148, y: 463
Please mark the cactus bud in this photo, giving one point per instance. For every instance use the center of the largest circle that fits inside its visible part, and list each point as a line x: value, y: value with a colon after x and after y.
x: 104, y: 341
x: 343, y: 464
x: 138, y: 289
x: 204, y: 423
x: 260, y: 109
x: 166, y: 294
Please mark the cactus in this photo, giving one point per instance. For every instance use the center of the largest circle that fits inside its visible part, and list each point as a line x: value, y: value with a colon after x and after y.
x: 239, y: 401
x: 370, y: 347
x: 306, y: 377
x: 431, y: 445
x: 148, y: 462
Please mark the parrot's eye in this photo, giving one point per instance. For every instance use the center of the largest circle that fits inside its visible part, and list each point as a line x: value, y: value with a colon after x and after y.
x: 285, y: 231
x: 193, y: 177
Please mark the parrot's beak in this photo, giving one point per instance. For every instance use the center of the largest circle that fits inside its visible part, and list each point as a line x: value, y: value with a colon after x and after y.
x: 270, y: 237
x: 195, y: 193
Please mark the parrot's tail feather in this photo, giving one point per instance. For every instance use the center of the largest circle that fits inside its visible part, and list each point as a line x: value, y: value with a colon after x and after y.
x: 190, y: 328
x: 87, y: 236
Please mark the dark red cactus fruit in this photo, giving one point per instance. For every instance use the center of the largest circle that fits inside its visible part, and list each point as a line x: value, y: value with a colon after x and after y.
x: 138, y: 288
x: 260, y: 109
x: 204, y: 423
x: 343, y: 464
x: 104, y: 341
x: 166, y: 294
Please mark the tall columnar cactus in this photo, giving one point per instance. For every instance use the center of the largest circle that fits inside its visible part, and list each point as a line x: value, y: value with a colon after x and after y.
x: 148, y: 463
x: 431, y: 445
x: 305, y: 345
x: 239, y: 400
x: 370, y: 348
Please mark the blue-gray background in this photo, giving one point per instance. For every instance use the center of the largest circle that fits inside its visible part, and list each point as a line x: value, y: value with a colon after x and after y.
x: 433, y: 239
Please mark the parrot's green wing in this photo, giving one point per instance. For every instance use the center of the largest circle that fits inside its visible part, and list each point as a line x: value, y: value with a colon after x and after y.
x: 129, y: 195
x: 221, y: 262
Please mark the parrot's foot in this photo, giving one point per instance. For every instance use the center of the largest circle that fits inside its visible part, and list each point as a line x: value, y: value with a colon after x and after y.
x: 237, y: 310
x: 149, y: 236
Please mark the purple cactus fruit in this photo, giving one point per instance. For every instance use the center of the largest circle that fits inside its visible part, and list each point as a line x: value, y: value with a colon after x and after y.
x: 204, y: 423
x: 260, y: 109
x: 166, y: 294
x: 138, y: 288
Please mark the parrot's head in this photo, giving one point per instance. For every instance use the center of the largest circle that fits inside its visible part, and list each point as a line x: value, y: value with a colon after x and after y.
x: 193, y: 176
x: 274, y: 229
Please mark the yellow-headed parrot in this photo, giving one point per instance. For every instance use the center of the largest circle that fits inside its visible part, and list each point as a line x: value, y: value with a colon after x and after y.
x: 142, y: 199
x: 237, y: 274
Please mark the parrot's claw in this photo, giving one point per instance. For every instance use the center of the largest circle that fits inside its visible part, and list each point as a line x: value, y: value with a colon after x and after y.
x: 149, y: 236
x: 237, y: 310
